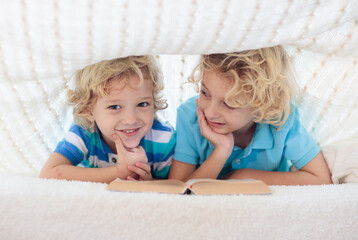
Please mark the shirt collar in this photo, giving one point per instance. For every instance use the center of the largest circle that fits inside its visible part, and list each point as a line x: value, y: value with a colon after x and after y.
x: 263, y: 138
x: 104, y: 146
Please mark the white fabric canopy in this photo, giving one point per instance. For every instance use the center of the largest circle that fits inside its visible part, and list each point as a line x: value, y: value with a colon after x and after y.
x: 42, y: 43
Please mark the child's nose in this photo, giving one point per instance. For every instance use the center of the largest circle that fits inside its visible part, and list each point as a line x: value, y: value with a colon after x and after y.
x: 129, y: 116
x: 211, y: 111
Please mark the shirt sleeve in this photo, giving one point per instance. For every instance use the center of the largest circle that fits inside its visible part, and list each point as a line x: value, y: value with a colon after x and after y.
x: 185, y: 150
x: 300, y: 147
x: 162, y: 165
x: 73, y: 146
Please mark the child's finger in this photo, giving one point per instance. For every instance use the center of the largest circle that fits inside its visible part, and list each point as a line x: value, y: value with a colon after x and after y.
x: 141, y: 172
x: 129, y: 178
x: 138, y: 149
x: 119, y: 145
x: 132, y: 150
x: 201, y: 119
x: 137, y: 170
x: 143, y: 166
x: 199, y: 115
x: 141, y: 148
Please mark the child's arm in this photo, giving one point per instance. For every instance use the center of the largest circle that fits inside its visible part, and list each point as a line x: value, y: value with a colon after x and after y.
x: 313, y: 173
x: 212, y: 166
x: 59, y: 167
x: 181, y: 170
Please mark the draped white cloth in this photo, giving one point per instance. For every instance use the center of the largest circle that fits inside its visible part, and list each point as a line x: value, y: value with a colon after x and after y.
x: 42, y: 43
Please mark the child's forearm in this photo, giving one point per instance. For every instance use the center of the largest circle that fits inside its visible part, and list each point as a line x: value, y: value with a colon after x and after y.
x: 70, y: 172
x: 279, y: 178
x: 211, y: 167
x: 313, y: 173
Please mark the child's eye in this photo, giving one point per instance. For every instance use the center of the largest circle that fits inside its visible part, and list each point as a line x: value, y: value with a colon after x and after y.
x: 143, y: 104
x: 114, y: 107
x: 203, y: 92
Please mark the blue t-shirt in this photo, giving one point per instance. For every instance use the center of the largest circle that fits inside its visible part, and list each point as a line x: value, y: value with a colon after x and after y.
x: 269, y: 149
x: 86, y: 148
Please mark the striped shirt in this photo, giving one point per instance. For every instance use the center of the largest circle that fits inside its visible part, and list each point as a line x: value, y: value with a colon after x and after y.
x: 86, y: 148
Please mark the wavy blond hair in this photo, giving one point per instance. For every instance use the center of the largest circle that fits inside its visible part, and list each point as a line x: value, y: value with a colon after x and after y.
x: 93, y: 82
x: 262, y: 79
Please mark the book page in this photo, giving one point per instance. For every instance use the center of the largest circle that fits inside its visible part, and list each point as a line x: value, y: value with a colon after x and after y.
x: 232, y: 186
x: 161, y: 186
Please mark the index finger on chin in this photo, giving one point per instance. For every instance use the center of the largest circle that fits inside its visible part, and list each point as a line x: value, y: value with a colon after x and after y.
x: 118, y: 141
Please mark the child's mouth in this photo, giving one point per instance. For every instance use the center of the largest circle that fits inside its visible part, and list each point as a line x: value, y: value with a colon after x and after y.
x: 215, y: 124
x: 129, y: 132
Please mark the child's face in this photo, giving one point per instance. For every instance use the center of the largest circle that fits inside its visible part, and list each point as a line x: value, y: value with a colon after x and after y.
x: 127, y: 111
x: 221, y: 118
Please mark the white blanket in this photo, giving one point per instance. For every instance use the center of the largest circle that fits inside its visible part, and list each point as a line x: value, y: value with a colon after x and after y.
x: 342, y: 159
x: 33, y: 208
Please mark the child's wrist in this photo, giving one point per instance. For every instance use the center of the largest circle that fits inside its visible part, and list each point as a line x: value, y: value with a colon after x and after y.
x: 122, y: 171
x: 224, y: 149
x: 222, y: 153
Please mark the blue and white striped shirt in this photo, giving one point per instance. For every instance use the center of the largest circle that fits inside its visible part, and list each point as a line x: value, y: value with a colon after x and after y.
x: 86, y: 148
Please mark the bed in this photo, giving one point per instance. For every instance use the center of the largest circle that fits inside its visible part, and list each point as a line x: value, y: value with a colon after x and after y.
x: 42, y: 43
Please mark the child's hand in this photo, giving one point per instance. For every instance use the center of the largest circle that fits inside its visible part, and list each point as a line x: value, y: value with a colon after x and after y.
x: 143, y: 170
x: 224, y: 142
x: 128, y: 157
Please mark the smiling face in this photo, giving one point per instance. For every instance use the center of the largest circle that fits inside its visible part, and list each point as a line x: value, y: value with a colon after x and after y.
x: 220, y: 117
x: 127, y: 111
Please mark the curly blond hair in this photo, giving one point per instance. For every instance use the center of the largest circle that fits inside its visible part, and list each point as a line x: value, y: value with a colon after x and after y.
x: 262, y: 79
x: 93, y: 82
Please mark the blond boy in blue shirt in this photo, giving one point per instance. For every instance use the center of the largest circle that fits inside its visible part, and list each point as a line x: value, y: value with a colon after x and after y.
x: 242, y: 124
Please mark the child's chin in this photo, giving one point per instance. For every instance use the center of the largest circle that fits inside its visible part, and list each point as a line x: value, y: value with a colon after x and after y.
x: 131, y: 145
x: 222, y: 132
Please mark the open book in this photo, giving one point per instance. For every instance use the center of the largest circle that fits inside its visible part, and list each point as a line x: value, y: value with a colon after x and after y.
x: 194, y: 186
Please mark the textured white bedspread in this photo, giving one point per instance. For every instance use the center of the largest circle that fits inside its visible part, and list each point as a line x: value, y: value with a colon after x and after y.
x: 33, y: 208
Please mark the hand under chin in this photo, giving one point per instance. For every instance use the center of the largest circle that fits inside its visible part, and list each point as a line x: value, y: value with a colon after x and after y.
x: 130, y: 146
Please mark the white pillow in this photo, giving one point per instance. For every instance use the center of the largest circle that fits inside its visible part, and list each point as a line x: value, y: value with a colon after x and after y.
x: 342, y: 160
